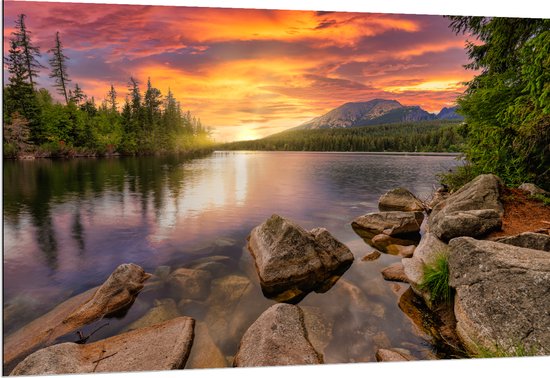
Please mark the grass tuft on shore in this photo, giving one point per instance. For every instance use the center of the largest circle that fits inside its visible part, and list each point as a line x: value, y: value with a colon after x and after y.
x: 436, y: 279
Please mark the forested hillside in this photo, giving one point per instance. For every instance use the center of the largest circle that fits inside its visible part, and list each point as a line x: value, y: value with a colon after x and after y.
x: 426, y: 136
x: 133, y: 122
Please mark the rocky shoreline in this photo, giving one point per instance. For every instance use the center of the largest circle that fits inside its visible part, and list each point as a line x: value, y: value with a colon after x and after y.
x: 498, y: 299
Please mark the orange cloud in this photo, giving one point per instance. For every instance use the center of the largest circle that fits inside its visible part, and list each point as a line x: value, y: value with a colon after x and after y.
x: 249, y: 73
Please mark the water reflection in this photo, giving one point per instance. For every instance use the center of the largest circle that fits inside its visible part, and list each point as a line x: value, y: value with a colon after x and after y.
x: 69, y: 224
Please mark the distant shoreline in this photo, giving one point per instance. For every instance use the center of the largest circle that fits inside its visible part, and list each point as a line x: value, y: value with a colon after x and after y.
x: 400, y: 153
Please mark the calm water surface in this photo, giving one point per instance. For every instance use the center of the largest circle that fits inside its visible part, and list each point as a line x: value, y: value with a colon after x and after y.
x: 69, y: 224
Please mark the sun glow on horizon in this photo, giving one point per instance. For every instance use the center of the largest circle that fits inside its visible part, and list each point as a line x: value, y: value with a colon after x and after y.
x: 251, y: 72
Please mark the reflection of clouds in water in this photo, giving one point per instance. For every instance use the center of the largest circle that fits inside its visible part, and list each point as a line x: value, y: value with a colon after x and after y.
x: 241, y: 177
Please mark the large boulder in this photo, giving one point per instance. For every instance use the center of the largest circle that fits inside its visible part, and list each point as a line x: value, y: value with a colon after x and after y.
x: 164, y: 346
x: 530, y: 240
x: 399, y: 199
x: 502, y: 298
x: 278, y: 337
x: 291, y: 261
x: 474, y: 210
x: 117, y: 292
x: 389, y: 223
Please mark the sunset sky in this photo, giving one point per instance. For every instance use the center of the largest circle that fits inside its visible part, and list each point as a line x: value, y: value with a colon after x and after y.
x: 251, y: 73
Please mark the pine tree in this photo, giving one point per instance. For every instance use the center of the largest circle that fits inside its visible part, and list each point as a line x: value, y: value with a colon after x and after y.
x: 111, y: 98
x: 29, y: 51
x: 152, y: 100
x: 19, y: 94
x: 59, y: 68
x: 77, y: 96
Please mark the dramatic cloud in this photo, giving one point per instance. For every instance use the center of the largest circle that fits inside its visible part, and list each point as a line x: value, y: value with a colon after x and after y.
x: 249, y: 73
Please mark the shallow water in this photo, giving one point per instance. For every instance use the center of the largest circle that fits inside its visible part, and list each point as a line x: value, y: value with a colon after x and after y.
x: 69, y: 224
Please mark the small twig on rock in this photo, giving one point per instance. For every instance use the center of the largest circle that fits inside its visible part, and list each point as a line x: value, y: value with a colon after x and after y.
x: 103, y: 358
x: 83, y: 339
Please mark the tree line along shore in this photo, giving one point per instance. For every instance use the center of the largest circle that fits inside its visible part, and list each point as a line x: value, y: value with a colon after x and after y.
x: 35, y: 125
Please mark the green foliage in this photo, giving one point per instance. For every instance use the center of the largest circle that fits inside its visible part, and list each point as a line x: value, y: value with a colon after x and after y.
x: 427, y: 136
x: 507, y: 106
x: 516, y: 350
x: 147, y: 124
x: 457, y: 178
x: 436, y: 279
x: 543, y: 198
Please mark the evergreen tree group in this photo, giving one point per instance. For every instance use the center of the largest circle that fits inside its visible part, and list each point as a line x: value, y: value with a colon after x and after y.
x: 426, y: 136
x: 507, y: 104
x: 36, y: 124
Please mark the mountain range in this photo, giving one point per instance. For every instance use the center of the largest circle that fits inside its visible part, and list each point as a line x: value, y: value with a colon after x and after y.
x: 374, y: 112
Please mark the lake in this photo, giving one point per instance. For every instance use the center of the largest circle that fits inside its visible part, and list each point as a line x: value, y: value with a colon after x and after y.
x: 69, y: 224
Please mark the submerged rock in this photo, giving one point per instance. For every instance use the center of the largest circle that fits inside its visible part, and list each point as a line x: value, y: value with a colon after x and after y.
x: 399, y: 199
x: 389, y: 222
x: 164, y: 346
x: 474, y: 210
x: 164, y: 309
x: 205, y: 353
x: 278, y: 337
x: 393, y: 355
x: 231, y: 308
x: 291, y: 261
x: 371, y: 256
x: 190, y: 283
x: 216, y: 265
x: 530, y: 240
x: 502, y: 298
x: 117, y: 292
x: 318, y: 326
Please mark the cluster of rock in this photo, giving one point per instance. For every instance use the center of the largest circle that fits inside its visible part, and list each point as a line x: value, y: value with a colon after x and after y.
x: 396, y: 228
x: 501, y: 299
x: 289, y: 261
x: 501, y: 296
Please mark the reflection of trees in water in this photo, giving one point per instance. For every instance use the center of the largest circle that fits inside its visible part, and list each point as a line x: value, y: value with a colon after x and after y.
x: 77, y: 231
x: 34, y: 187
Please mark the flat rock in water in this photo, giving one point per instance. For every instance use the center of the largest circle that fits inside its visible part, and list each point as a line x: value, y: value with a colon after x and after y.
x: 399, y: 199
x: 502, y: 295
x: 530, y: 240
x: 401, y: 250
x: 371, y: 256
x: 164, y: 346
x: 393, y: 355
x: 473, y: 210
x: 278, y: 337
x: 188, y: 283
x: 389, y: 222
x: 394, y: 272
x: 164, y: 309
x: 382, y: 241
x: 117, y: 292
x: 291, y: 261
